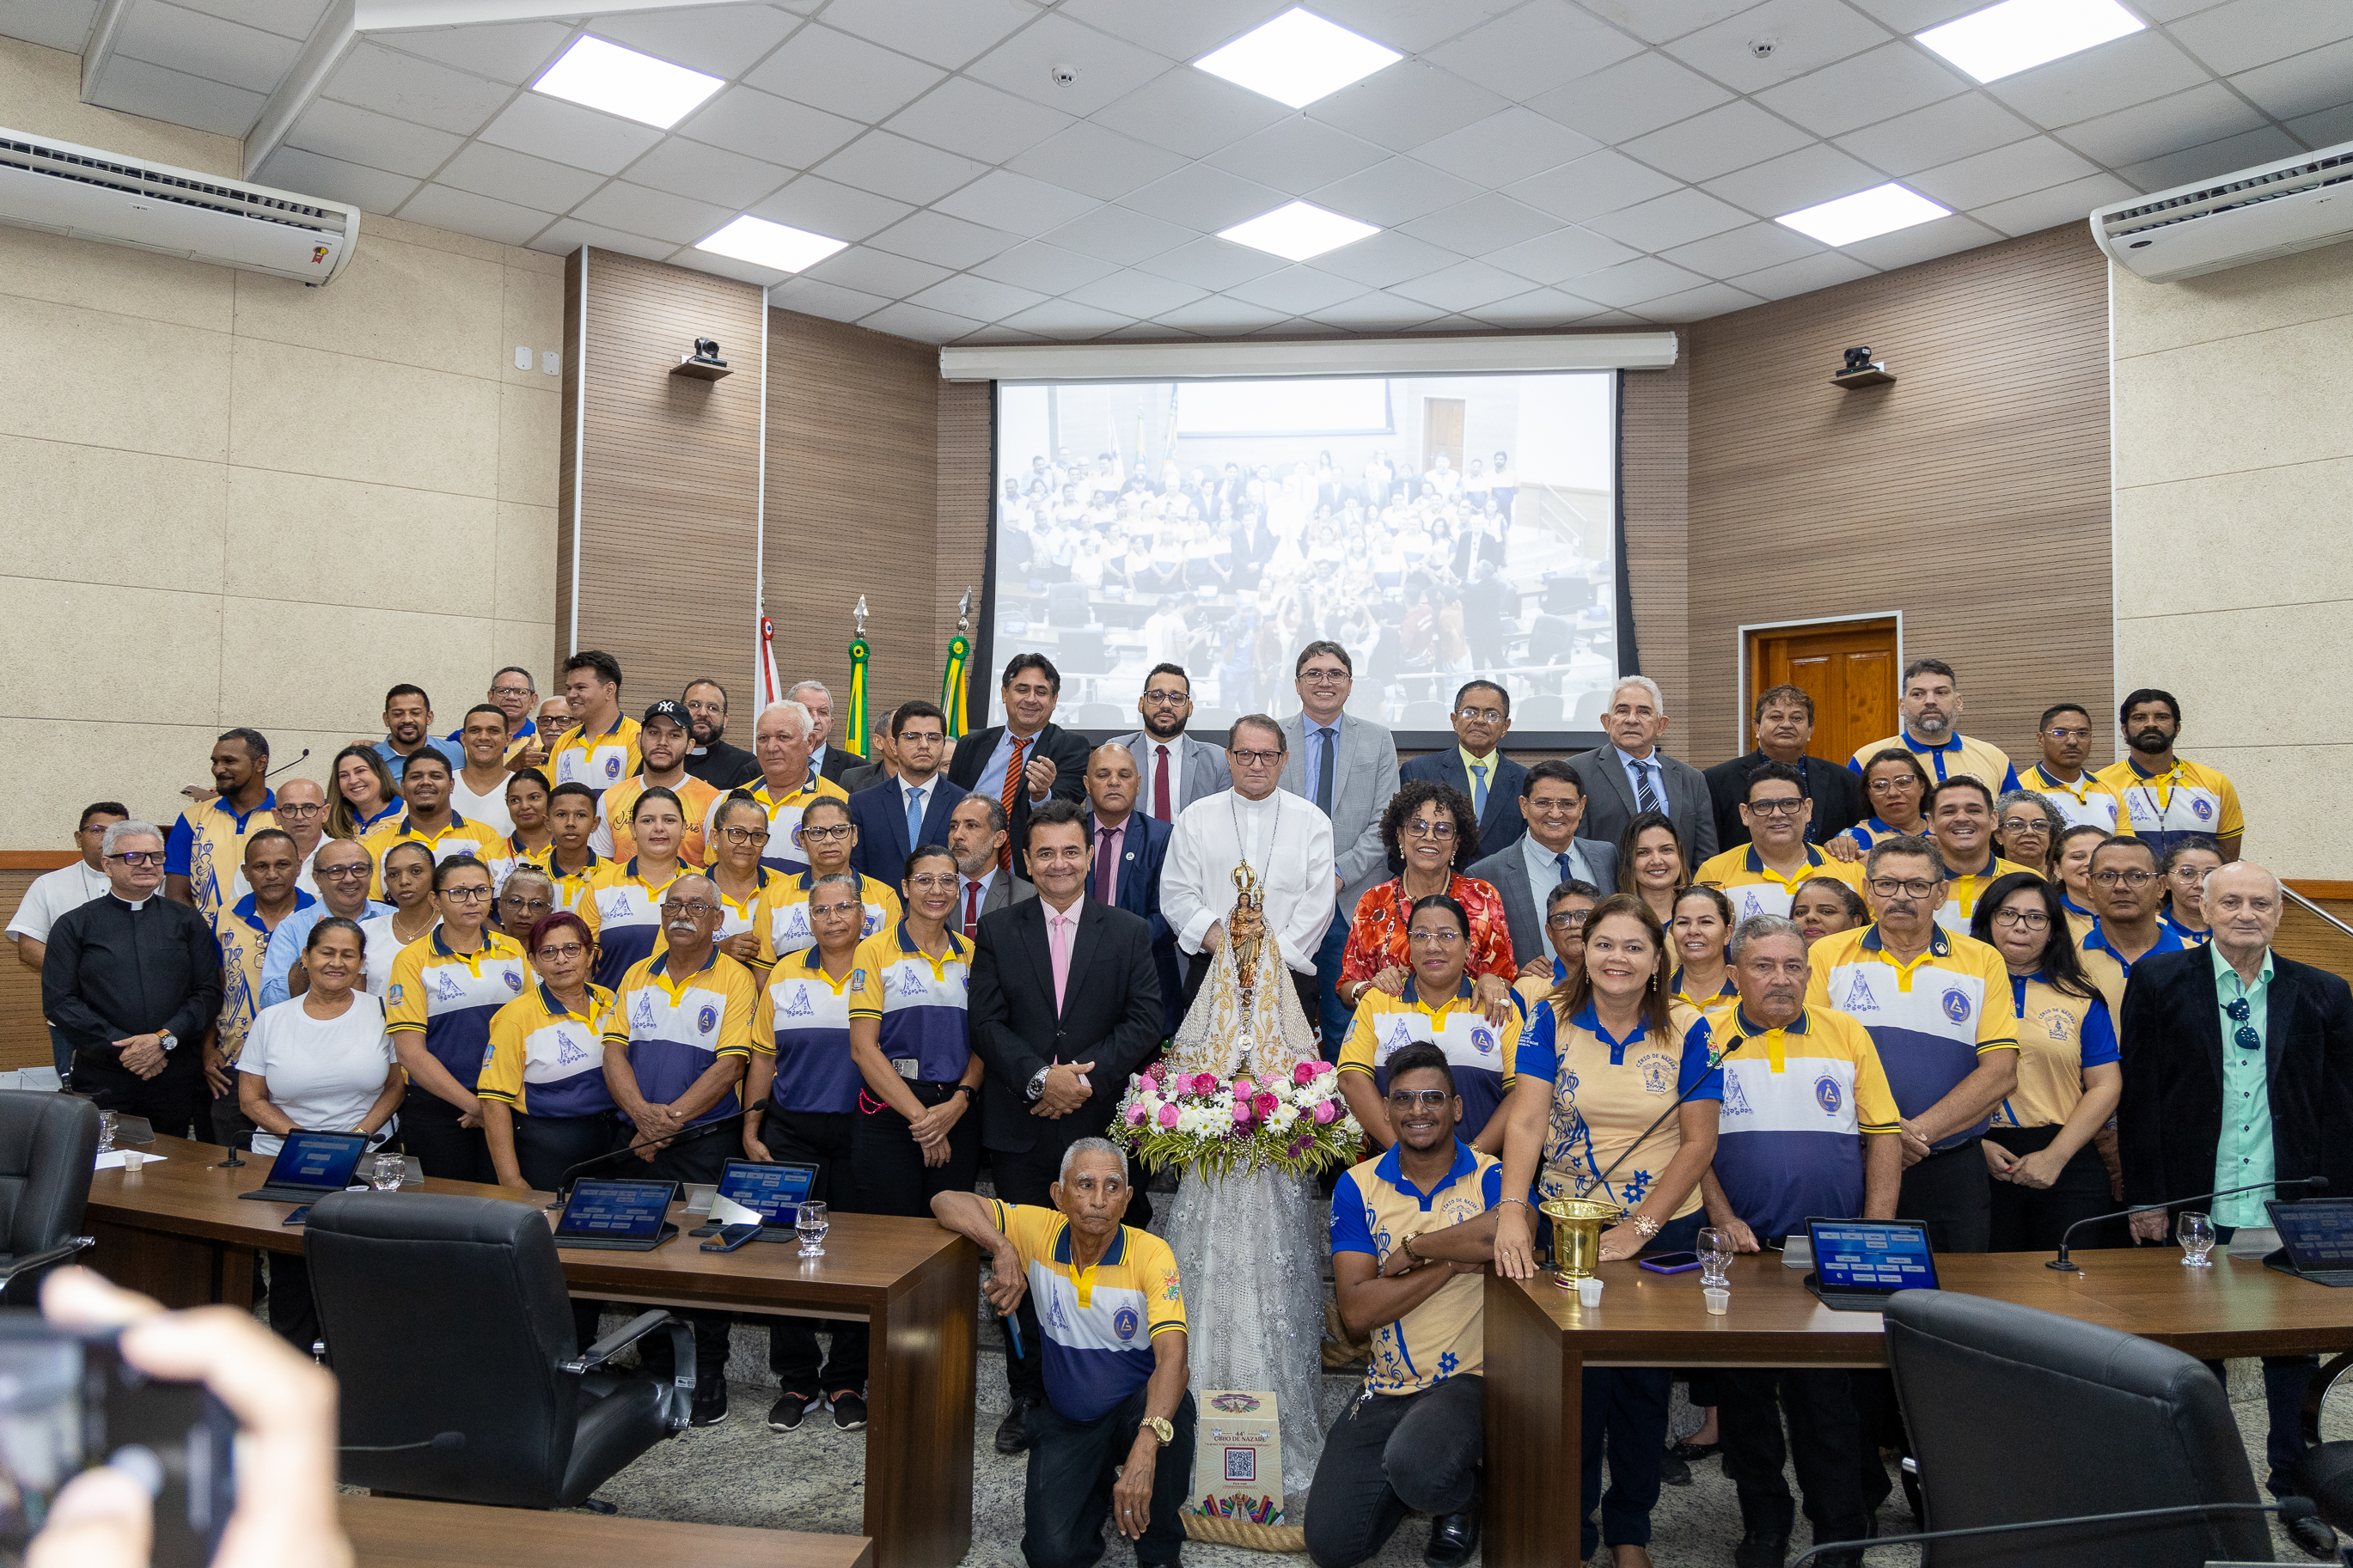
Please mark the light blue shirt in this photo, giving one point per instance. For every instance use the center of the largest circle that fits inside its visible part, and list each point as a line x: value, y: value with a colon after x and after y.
x: 915, y: 800
x: 1636, y: 767
x: 286, y: 946
x: 2244, y: 1152
x: 991, y: 781
x: 1313, y: 764
x: 1544, y: 869
x: 399, y: 765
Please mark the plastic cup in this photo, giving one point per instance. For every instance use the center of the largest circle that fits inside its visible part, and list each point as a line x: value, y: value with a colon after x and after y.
x: 132, y: 1159
x: 1719, y: 1300
x: 1588, y: 1293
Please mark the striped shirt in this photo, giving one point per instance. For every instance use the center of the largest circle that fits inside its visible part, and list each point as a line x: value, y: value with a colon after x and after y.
x: 1930, y: 1020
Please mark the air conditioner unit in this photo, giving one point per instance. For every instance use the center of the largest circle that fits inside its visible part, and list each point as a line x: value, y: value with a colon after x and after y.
x: 91, y: 194
x: 2274, y: 209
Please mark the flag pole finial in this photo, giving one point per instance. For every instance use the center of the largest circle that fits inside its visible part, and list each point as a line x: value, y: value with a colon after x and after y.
x: 964, y: 611
x: 857, y: 616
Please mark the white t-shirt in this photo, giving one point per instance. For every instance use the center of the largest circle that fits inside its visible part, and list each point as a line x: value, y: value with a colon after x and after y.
x: 52, y: 894
x: 323, y: 1073
x: 382, y: 947
x: 489, y: 810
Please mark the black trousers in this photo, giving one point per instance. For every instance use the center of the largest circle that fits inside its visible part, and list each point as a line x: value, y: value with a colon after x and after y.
x: 1310, y: 997
x: 1024, y: 1176
x: 545, y: 1148
x: 693, y: 1159
x: 819, y: 1138
x: 1838, y: 1461
x: 1952, y: 1194
x: 2033, y: 1219
x: 1625, y: 1410
x: 293, y: 1310
x: 1069, y: 1494
x: 2285, y: 1379
x: 230, y: 1128
x: 888, y: 1168
x: 168, y: 1101
x: 1388, y: 1453
x: 430, y: 1129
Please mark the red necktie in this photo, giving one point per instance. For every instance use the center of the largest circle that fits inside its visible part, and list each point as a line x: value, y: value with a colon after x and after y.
x: 1160, y: 786
x: 1006, y: 798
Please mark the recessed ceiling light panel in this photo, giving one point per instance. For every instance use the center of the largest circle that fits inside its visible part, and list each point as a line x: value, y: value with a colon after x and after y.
x: 2018, y: 34
x: 1297, y: 58
x: 765, y: 243
x: 1296, y: 231
x: 624, y: 82
x: 1883, y: 209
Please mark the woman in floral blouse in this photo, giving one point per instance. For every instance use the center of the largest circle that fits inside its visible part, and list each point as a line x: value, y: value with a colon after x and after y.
x: 1432, y: 827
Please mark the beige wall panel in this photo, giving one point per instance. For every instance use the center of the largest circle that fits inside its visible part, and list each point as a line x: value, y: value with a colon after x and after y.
x: 406, y: 303
x: 2279, y: 788
x: 155, y: 657
x: 2256, y: 400
x: 2205, y: 660
x: 531, y: 314
x: 525, y: 643
x: 305, y: 411
x: 115, y: 279
x: 142, y: 765
x: 526, y: 563
x: 456, y: 244
x: 292, y: 537
x: 145, y: 385
x: 99, y: 514
x: 40, y: 90
x: 2289, y: 533
x: 450, y: 656
x: 530, y: 424
x: 2309, y: 286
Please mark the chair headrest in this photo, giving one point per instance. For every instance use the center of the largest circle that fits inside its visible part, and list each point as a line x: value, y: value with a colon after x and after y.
x: 2065, y: 1346
x: 427, y: 1216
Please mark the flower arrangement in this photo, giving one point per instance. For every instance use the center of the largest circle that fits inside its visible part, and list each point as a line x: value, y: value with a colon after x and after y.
x: 1295, y: 1122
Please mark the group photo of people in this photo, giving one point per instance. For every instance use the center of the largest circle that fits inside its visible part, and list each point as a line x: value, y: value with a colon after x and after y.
x: 1960, y: 979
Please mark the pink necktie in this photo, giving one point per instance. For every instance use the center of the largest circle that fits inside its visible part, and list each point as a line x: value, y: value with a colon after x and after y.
x: 1057, y: 939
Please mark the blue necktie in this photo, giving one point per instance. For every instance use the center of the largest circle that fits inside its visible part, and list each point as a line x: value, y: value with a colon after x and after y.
x: 1479, y: 791
x: 915, y: 818
x: 1566, y: 874
x: 1323, y: 771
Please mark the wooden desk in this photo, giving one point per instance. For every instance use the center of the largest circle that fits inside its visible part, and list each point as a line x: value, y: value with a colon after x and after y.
x: 1546, y: 1339
x: 404, y: 1532
x: 179, y: 1232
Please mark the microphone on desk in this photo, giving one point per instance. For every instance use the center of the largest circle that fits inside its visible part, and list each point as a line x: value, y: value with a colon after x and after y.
x: 2067, y: 1265
x: 2291, y: 1511
x: 440, y: 1443
x: 703, y: 1130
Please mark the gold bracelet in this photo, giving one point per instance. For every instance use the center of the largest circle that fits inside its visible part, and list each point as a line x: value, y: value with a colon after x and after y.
x: 1406, y: 1247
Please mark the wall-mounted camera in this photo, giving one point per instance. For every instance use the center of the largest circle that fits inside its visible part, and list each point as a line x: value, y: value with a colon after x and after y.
x: 704, y: 363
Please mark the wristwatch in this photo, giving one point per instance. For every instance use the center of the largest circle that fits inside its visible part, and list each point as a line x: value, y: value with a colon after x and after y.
x: 1161, y: 1429
x: 1405, y: 1246
x: 168, y: 1040
x: 971, y: 1093
x: 1038, y: 1083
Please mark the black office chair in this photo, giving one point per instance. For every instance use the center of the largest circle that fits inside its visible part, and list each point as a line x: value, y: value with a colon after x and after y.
x: 48, y: 1150
x: 2016, y: 1415
x: 447, y: 1325
x: 2325, y: 1474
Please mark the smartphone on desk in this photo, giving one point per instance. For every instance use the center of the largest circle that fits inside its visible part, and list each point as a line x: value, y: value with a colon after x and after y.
x: 1672, y: 1263
x: 729, y: 1237
x: 297, y: 1216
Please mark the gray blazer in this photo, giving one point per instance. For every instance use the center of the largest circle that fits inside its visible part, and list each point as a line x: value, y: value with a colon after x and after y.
x: 1202, y: 767
x: 1507, y: 871
x: 1365, y: 760
x: 1609, y: 801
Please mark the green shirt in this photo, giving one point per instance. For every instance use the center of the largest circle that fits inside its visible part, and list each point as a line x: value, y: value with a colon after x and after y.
x: 2244, y: 1152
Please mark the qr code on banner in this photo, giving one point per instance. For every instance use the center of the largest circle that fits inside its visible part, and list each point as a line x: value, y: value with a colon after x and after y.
x: 1241, y: 1463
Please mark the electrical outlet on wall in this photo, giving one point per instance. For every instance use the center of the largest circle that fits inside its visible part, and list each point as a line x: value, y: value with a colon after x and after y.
x: 523, y: 356
x: 550, y: 361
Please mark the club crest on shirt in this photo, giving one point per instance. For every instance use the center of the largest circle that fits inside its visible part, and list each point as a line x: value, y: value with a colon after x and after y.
x: 800, y: 1005
x: 2057, y: 1024
x: 1956, y: 1006
x: 1123, y: 1323
x: 910, y: 983
x: 1859, y: 998
x: 1658, y: 1074
x: 568, y: 1050
x: 1169, y: 1291
x: 394, y: 1000
x: 706, y: 1020
x: 1482, y: 1040
x: 2203, y: 809
x: 796, y: 924
x: 447, y: 989
x: 1735, y: 1099
x: 857, y: 980
x: 642, y: 1015
x: 515, y: 982
x: 1401, y: 1036
x: 612, y: 767
x: 1829, y: 1095
x: 1750, y: 904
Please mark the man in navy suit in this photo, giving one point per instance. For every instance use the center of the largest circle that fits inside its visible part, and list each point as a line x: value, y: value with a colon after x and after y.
x: 1128, y: 847
x: 1047, y: 760
x: 918, y: 798
x: 1476, y: 765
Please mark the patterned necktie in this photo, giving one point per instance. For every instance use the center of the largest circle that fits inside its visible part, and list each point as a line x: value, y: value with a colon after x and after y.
x: 1644, y: 800
x: 1106, y: 864
x: 1160, y: 792
x: 971, y: 909
x: 1006, y: 795
x: 1323, y: 771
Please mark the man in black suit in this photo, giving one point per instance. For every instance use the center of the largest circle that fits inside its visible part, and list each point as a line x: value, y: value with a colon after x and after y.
x: 1065, y: 1006
x: 1047, y: 761
x: 918, y: 797
x: 2238, y: 1067
x: 1477, y: 767
x: 1785, y: 727
x: 1129, y: 848
x: 825, y: 759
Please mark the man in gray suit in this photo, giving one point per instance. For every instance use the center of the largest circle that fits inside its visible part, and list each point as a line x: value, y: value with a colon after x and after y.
x: 976, y: 832
x: 1348, y: 767
x: 1631, y: 775
x: 1526, y: 870
x: 1173, y: 769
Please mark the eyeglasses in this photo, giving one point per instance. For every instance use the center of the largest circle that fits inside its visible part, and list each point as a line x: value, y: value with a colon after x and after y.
x: 1167, y: 698
x: 1256, y: 759
x: 1787, y: 807
x: 933, y: 881
x: 1570, y: 919
x: 1325, y: 677
x: 282, y: 809
x: 1442, y: 938
x: 1480, y: 715
x: 1896, y: 786
x: 2025, y: 920
x: 1557, y: 806
x: 1426, y: 1098
x: 511, y: 692
x: 1420, y: 829
x: 466, y: 894
x: 2245, y: 1035
x: 345, y: 873
x: 517, y: 901
x: 1913, y: 888
x: 2124, y: 879
x: 745, y: 834
x: 139, y: 856
x: 826, y: 835
x: 673, y: 908
x: 561, y: 951
x: 826, y: 911
x: 2064, y: 735
x: 2190, y: 874
x: 2023, y: 825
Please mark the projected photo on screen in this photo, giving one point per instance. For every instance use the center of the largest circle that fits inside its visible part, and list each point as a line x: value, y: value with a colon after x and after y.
x: 1439, y: 527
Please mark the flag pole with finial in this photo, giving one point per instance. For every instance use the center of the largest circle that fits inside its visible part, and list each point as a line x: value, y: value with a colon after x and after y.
x: 951, y: 677
x: 853, y: 737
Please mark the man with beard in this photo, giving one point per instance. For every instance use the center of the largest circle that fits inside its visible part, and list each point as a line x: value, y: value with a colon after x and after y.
x: 203, y: 857
x: 408, y: 730
x: 1931, y: 703
x: 1176, y: 769
x: 712, y: 760
x: 1784, y: 722
x: 662, y: 743
x: 2169, y: 799
x: 976, y: 842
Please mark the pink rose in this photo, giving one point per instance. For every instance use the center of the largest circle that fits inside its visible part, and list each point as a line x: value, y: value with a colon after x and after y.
x: 1135, y: 1115
x: 1241, y: 1113
x: 1205, y: 1083
x: 1303, y: 1074
x: 1242, y: 1085
x: 1325, y: 1113
x: 1167, y: 1116
x: 1263, y: 1103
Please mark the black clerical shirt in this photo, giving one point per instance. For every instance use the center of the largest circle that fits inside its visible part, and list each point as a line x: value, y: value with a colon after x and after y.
x: 723, y: 766
x: 112, y: 970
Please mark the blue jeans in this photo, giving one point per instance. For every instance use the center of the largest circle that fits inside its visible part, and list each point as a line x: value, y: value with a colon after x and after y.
x: 1626, y: 1407
x: 1333, y: 1019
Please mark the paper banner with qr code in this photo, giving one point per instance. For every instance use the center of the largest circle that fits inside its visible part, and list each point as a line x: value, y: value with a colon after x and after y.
x: 1238, y: 1456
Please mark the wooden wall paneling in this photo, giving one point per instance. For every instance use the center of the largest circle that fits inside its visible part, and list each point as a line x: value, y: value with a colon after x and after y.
x: 24, y: 1038
x: 1972, y: 495
x: 1652, y: 446
x: 667, y: 475
x: 967, y: 439
x: 853, y: 503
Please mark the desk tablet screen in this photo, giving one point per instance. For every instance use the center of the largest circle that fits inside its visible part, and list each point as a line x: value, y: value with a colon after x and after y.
x: 630, y: 1209
x: 322, y: 1160
x: 1873, y: 1255
x: 2318, y: 1236
x: 773, y: 1190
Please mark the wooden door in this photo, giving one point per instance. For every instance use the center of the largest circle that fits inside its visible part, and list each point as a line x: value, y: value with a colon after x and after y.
x: 1847, y: 666
x: 1441, y: 432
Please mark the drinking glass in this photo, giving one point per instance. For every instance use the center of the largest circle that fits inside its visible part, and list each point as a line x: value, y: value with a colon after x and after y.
x: 810, y: 1226
x: 1714, y: 1249
x: 108, y: 1124
x: 386, y: 1173
x: 2195, y: 1233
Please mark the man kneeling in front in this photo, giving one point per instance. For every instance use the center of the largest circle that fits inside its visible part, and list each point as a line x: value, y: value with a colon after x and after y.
x: 1114, y: 1317
x: 1411, y: 1232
